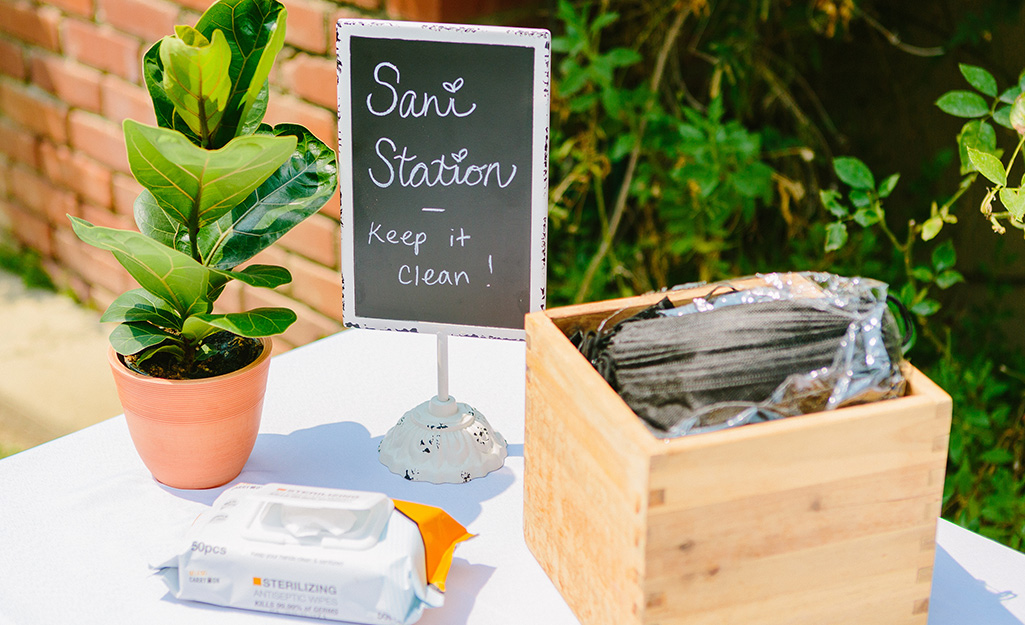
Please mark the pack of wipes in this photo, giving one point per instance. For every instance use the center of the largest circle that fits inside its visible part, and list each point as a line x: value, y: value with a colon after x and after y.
x: 317, y: 552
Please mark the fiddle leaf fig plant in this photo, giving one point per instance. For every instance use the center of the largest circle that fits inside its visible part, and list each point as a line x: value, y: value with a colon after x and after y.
x: 219, y: 186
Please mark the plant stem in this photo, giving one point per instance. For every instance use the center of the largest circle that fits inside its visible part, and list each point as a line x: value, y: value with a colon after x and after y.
x: 624, y: 189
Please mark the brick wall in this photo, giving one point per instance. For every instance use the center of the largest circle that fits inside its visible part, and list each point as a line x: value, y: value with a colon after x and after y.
x: 70, y: 73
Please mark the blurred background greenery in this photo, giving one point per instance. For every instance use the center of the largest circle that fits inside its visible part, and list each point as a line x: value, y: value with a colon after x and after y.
x: 703, y: 139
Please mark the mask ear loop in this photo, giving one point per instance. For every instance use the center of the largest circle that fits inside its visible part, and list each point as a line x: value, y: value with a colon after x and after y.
x: 906, y: 321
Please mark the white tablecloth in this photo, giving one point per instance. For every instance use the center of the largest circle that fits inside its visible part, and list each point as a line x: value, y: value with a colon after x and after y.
x: 81, y: 518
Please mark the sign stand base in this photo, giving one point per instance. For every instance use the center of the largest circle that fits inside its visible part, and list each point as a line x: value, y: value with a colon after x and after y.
x: 442, y: 440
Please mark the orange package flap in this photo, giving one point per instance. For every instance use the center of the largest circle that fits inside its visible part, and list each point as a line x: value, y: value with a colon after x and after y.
x: 441, y: 534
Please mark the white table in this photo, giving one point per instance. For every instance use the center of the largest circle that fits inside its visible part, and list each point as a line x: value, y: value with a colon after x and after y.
x: 81, y: 518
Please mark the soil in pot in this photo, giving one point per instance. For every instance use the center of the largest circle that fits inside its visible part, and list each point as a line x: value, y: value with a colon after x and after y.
x: 227, y: 352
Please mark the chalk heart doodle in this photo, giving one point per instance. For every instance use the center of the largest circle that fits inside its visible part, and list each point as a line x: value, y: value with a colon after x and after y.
x: 460, y: 155
x: 453, y: 86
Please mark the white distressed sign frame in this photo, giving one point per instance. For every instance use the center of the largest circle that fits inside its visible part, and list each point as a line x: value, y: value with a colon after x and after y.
x: 539, y: 41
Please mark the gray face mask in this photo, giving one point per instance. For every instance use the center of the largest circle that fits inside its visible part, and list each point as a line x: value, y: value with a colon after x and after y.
x: 750, y: 357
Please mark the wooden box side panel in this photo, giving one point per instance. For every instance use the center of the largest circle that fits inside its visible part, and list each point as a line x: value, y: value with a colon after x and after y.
x: 585, y: 482
x: 862, y: 590
x: 826, y: 515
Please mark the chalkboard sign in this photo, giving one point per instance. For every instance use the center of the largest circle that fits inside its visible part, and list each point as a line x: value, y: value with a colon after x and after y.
x: 443, y: 137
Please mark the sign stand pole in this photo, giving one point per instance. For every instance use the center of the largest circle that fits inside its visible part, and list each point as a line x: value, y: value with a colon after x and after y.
x: 442, y: 440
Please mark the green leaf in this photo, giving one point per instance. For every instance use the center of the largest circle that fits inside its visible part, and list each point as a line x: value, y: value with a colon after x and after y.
x: 266, y: 276
x: 165, y: 272
x: 622, y: 57
x: 975, y: 134
x: 255, y: 31
x: 868, y: 216
x: 854, y: 172
x: 193, y: 185
x: 887, y: 185
x: 163, y: 107
x: 861, y: 198
x: 997, y: 456
x: 1014, y: 201
x: 196, y: 77
x: 931, y: 228
x: 141, y: 305
x: 1008, y: 96
x: 299, y: 188
x: 836, y: 236
x: 989, y: 166
x: 922, y: 272
x: 926, y: 308
x: 154, y: 223
x: 948, y: 279
x: 1002, y: 116
x: 979, y: 78
x: 944, y: 256
x: 255, y: 323
x: 132, y: 338
x: 830, y: 199
x: 1017, y: 115
x: 753, y: 180
x: 963, y: 104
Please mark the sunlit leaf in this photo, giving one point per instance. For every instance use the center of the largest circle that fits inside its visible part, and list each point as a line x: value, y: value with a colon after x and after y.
x: 196, y: 77
x: 299, y: 188
x: 989, y: 166
x: 979, y: 78
x: 141, y: 305
x: 854, y: 172
x: 255, y: 323
x: 194, y: 185
x: 132, y: 338
x: 836, y: 236
x: 963, y: 104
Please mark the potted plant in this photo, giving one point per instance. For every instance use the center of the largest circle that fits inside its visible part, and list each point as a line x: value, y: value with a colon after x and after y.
x: 219, y: 187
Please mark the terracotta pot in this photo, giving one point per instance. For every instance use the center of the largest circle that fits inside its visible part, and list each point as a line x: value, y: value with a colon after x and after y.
x: 194, y: 433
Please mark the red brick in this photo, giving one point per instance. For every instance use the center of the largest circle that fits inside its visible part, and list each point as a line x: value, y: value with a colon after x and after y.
x: 18, y: 143
x: 317, y: 286
x: 367, y: 5
x: 38, y: 194
x: 321, y: 122
x: 85, y: 8
x: 316, y: 238
x: 126, y: 189
x: 230, y: 300
x: 35, y: 109
x: 272, y: 255
x: 29, y: 228
x: 32, y: 24
x: 76, y: 84
x: 310, y: 324
x: 149, y: 19
x: 99, y: 216
x: 102, y: 47
x: 312, y: 78
x: 98, y: 138
x: 307, y: 25
x: 12, y: 60
x: 124, y: 100
x: 198, y: 5
x: 332, y: 208
x: 99, y: 267
x: 91, y: 180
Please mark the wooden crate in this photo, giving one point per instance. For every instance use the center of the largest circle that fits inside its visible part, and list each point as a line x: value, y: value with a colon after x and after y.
x: 822, y: 519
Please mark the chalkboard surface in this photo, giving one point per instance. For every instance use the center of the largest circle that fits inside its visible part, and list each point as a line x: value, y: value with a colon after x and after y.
x: 442, y: 146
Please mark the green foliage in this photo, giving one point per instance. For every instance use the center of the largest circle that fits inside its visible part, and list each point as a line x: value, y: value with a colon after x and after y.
x: 219, y: 186
x: 25, y: 264
x: 694, y: 141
